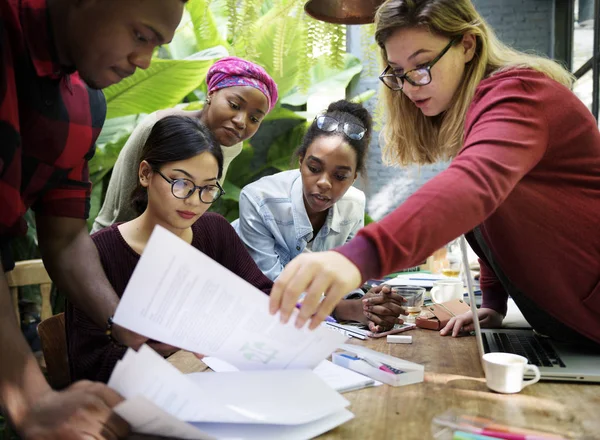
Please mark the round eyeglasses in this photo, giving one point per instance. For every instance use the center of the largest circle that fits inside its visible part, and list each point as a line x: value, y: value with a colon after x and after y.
x: 420, y: 76
x: 329, y: 124
x: 185, y: 188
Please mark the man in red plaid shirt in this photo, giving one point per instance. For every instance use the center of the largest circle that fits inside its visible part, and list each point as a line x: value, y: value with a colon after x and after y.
x: 55, y: 55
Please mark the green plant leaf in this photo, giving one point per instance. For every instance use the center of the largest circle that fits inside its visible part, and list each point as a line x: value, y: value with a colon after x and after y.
x: 113, y: 136
x: 205, y: 26
x: 116, y: 128
x: 232, y: 192
x: 282, y: 149
x: 363, y: 97
x: 325, y: 78
x: 95, y: 202
x: 164, y: 84
x: 291, y: 44
x: 239, y: 172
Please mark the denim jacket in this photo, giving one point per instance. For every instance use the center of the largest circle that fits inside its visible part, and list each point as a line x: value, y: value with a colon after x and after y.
x: 275, y: 227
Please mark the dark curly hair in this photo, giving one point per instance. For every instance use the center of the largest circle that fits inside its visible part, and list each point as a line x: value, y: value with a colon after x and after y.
x: 343, y: 111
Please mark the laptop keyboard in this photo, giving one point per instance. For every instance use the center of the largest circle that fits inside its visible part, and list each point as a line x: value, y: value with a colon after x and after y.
x: 537, y: 350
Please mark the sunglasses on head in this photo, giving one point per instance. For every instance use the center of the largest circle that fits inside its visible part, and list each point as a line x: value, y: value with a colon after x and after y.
x: 329, y: 124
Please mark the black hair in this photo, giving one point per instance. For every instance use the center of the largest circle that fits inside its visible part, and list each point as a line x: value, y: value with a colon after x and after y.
x: 343, y: 111
x: 171, y: 139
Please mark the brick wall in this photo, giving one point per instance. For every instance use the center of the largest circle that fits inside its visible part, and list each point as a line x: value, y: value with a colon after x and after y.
x: 523, y: 24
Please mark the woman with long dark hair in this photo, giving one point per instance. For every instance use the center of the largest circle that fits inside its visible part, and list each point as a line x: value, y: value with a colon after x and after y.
x: 178, y: 179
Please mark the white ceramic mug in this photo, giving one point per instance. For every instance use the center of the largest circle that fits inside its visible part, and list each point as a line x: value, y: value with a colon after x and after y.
x: 504, y: 372
x: 447, y: 290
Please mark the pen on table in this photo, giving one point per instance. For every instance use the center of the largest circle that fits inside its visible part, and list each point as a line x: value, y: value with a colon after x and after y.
x: 462, y: 435
x: 378, y: 365
x: 493, y: 425
x: 492, y: 433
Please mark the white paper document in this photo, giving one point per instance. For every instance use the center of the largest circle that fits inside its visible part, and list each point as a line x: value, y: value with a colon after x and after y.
x: 339, y: 378
x: 274, y: 397
x: 147, y: 374
x: 179, y: 296
x: 342, y: 379
x: 160, y: 400
x: 280, y: 397
x: 228, y: 431
x: 146, y: 418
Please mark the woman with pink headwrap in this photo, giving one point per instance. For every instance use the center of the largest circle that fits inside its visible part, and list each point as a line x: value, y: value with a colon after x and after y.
x: 240, y: 94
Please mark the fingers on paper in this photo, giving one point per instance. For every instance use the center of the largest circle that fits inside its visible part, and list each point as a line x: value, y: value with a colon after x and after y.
x: 285, y: 289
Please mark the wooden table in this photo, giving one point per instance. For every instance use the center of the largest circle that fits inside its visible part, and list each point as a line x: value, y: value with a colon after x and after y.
x: 453, y: 379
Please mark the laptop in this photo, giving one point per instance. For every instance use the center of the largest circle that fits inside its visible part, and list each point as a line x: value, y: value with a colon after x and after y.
x: 556, y: 360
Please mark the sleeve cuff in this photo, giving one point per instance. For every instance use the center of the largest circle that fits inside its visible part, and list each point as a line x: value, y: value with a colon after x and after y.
x: 355, y: 294
x: 363, y: 254
x: 495, y: 303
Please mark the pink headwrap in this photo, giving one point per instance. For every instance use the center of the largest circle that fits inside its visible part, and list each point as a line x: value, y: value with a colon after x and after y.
x: 233, y: 71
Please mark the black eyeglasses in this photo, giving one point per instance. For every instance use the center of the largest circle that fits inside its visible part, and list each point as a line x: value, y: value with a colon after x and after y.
x: 420, y: 76
x: 185, y: 188
x: 329, y: 124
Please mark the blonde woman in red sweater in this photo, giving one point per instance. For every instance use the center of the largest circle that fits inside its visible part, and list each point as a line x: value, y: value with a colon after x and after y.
x: 523, y: 184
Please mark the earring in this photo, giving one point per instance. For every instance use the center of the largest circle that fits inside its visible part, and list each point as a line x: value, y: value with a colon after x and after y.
x: 208, y: 100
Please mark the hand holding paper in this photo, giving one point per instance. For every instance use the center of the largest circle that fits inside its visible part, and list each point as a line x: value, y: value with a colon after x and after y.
x: 179, y: 296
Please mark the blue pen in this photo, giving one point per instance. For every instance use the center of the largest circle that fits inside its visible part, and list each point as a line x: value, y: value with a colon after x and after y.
x: 461, y: 435
x: 375, y: 364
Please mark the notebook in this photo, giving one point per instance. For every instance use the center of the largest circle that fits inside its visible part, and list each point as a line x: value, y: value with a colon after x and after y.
x: 556, y: 360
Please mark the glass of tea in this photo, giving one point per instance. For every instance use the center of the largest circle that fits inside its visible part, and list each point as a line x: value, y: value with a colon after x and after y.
x: 414, y: 299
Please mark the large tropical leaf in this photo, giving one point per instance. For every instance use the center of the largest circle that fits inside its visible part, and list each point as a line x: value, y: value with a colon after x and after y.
x: 324, y: 79
x: 232, y: 192
x: 206, y: 26
x: 363, y: 97
x: 184, y: 40
x: 115, y: 128
x: 113, y: 136
x: 282, y: 149
x: 164, y: 84
x: 276, y: 27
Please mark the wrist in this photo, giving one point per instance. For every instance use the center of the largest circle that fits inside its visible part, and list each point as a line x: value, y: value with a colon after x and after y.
x: 19, y: 402
x: 350, y: 310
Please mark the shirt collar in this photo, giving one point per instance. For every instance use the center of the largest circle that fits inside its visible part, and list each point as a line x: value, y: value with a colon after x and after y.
x: 334, y: 218
x: 37, y: 32
x: 301, y: 220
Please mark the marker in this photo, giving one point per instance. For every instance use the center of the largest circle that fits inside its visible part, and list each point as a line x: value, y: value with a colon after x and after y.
x: 374, y: 364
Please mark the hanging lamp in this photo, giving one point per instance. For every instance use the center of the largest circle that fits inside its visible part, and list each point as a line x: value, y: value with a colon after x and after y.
x: 343, y: 11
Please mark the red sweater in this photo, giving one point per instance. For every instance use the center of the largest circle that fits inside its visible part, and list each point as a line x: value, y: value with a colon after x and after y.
x: 529, y: 174
x: 91, y: 354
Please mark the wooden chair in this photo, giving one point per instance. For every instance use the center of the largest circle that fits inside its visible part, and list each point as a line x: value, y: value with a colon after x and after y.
x: 54, y: 345
x: 52, y: 328
x: 28, y: 273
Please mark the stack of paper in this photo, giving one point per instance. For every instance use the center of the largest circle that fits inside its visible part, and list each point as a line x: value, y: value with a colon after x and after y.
x: 160, y: 400
x: 339, y: 378
x: 179, y: 296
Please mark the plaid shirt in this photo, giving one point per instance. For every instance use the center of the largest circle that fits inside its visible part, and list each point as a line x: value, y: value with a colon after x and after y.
x: 49, y: 122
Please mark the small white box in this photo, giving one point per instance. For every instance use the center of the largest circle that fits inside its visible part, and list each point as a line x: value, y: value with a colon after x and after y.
x: 411, y: 372
x: 399, y: 339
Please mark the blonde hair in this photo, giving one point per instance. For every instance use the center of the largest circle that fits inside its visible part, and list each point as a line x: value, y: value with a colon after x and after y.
x: 410, y: 136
